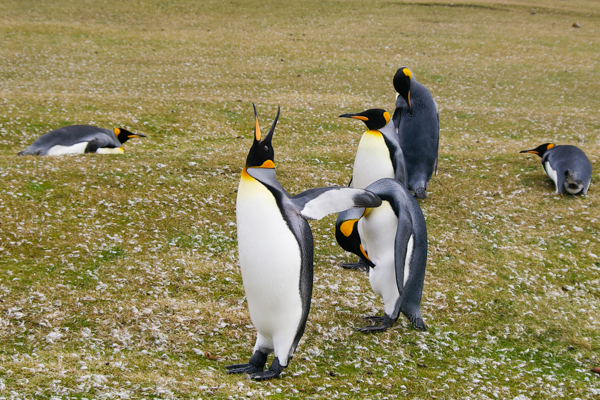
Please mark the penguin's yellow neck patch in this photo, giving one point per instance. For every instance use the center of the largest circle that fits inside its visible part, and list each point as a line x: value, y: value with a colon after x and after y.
x: 245, y: 174
x: 347, y: 227
x: 364, y: 253
x: 268, y: 164
x: 373, y: 132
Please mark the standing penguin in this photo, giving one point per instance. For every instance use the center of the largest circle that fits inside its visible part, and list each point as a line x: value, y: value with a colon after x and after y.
x: 567, y: 166
x: 80, y: 139
x: 418, y: 125
x: 276, y: 253
x: 394, y: 237
x: 378, y: 156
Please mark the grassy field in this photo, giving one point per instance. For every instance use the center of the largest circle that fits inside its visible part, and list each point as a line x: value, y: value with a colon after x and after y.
x: 119, y: 275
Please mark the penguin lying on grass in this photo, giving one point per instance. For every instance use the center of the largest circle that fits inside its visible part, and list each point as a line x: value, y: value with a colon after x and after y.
x: 567, y: 166
x: 276, y: 253
x: 394, y: 242
x: 418, y: 125
x: 80, y: 139
x: 378, y: 156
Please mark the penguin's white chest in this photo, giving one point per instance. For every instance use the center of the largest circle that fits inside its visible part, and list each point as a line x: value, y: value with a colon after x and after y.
x: 373, y: 161
x: 378, y: 231
x: 551, y: 174
x: 270, y: 260
x: 58, y: 150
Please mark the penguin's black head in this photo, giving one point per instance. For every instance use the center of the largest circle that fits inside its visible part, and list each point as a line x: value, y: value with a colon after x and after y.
x: 540, y: 150
x: 375, y: 118
x: 124, y: 135
x: 261, y: 154
x: 346, y: 234
x: 402, y: 81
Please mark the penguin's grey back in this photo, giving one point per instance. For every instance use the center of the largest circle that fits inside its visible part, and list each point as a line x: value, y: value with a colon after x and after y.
x: 570, y: 166
x: 69, y: 136
x: 419, y: 134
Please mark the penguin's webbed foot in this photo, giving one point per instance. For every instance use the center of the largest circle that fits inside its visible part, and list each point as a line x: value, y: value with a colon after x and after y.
x: 383, y: 323
x: 255, y: 365
x: 360, y: 266
x: 273, y: 372
x: 373, y: 328
x: 417, y: 322
x: 243, y: 368
x: 375, y: 319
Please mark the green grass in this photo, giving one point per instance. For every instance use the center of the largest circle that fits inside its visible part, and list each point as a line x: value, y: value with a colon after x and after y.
x: 119, y: 275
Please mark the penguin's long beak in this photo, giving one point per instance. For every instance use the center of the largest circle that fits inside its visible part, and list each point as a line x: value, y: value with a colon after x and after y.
x: 270, y: 133
x: 356, y: 116
x: 135, y: 135
x: 530, y: 151
x: 256, y: 126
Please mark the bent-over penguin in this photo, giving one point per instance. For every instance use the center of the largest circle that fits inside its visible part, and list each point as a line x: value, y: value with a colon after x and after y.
x: 567, y: 166
x: 378, y: 156
x: 417, y: 122
x: 80, y: 139
x: 275, y: 247
x: 394, y: 237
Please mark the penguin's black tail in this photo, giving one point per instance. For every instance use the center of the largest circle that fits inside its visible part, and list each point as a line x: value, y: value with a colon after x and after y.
x: 572, y: 184
x: 420, y: 193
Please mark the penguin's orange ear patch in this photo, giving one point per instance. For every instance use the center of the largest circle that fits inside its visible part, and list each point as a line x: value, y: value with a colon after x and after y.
x: 407, y: 72
x: 551, y: 145
x: 347, y: 226
x: 116, y: 131
x: 387, y: 117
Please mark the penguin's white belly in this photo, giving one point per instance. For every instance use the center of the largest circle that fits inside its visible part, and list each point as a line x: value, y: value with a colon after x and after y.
x: 109, y: 150
x: 270, y: 261
x: 378, y: 230
x: 59, y: 150
x: 373, y: 161
x: 552, y: 175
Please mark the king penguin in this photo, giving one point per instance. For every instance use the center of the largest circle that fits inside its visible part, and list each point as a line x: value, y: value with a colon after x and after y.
x: 417, y: 122
x: 80, y: 139
x: 275, y: 247
x: 567, y: 166
x: 378, y: 155
x: 394, y: 238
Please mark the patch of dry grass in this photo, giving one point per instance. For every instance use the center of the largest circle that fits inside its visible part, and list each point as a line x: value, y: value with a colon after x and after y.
x: 119, y: 275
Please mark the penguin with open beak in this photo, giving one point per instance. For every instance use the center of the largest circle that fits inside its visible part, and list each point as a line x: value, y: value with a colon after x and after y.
x: 275, y: 247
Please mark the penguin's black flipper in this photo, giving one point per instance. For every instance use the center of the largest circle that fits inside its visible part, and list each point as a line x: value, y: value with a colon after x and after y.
x: 317, y: 203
